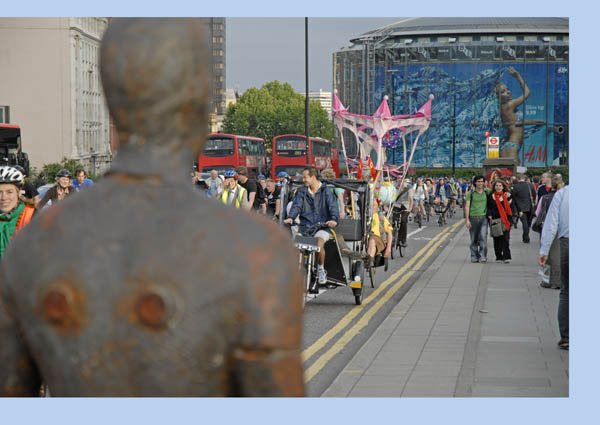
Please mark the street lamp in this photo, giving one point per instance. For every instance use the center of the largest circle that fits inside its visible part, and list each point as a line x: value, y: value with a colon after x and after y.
x: 453, y: 124
x: 306, y: 99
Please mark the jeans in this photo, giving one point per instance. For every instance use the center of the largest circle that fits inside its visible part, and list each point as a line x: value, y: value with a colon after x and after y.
x: 526, y: 220
x: 478, y: 232
x: 563, y: 297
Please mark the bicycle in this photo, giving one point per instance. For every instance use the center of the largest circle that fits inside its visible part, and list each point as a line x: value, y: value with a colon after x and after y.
x: 440, y: 209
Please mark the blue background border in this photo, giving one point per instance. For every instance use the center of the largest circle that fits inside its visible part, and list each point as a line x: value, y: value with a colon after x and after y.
x: 584, y: 292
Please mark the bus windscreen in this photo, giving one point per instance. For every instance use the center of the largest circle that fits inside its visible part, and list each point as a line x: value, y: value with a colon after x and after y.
x: 290, y: 147
x: 218, y: 147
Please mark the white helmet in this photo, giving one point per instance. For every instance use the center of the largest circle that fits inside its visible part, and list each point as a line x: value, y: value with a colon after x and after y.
x: 11, y: 175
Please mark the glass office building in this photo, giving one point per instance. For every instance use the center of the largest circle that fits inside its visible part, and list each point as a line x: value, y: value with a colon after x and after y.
x: 508, y: 76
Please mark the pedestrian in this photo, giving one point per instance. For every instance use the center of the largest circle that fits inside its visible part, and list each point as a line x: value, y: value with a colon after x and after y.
x: 553, y: 260
x: 545, y: 187
x: 523, y: 195
x: 499, y: 213
x: 476, y: 218
x: 81, y: 181
x: 61, y: 189
x: 536, y: 183
x: 557, y: 224
x: 14, y: 213
x: 214, y: 184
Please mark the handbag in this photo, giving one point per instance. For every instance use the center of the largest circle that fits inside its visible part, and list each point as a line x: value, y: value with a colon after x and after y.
x: 497, y: 227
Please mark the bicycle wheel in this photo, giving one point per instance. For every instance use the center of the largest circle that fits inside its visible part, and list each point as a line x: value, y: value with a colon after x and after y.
x: 359, y: 270
x: 419, y: 219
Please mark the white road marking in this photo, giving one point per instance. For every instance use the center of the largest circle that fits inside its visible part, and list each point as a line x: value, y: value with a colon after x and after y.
x: 416, y: 231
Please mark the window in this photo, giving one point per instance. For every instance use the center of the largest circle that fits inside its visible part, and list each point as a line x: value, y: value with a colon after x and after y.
x: 217, y: 52
x: 219, y: 65
x: 4, y: 115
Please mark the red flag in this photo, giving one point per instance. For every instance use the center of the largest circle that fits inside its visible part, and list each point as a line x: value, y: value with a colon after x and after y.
x: 360, y: 169
x: 372, y: 168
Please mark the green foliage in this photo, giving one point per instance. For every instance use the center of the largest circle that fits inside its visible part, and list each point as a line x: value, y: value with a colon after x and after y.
x: 272, y: 110
x: 51, y: 169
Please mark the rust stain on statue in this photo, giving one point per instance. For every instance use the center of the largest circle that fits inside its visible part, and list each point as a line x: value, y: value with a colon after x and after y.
x: 63, y: 305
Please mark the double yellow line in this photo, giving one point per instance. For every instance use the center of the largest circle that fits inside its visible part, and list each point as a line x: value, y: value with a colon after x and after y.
x: 406, y: 271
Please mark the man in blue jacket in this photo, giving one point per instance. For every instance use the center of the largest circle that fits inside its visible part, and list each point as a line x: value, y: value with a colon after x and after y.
x: 315, y: 203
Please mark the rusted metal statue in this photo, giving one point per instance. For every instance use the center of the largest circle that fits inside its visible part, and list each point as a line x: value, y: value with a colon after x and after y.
x: 137, y: 286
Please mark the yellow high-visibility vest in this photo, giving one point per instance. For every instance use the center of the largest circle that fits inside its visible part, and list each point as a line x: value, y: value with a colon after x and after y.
x: 239, y: 200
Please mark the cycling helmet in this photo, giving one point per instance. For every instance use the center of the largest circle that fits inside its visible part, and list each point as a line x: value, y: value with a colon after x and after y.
x: 11, y: 175
x: 420, y: 179
x: 282, y: 174
x: 229, y: 174
x: 261, y: 176
x: 63, y: 173
x: 19, y: 168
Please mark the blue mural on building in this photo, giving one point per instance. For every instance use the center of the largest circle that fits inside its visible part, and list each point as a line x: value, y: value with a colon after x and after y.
x: 474, y: 94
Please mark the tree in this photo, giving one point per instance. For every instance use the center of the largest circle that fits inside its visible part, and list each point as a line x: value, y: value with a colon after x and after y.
x: 272, y: 110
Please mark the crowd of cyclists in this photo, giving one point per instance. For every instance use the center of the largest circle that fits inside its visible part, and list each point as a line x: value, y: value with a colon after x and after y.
x: 20, y: 199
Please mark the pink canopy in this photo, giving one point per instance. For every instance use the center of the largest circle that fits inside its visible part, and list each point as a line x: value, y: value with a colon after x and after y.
x: 380, y: 123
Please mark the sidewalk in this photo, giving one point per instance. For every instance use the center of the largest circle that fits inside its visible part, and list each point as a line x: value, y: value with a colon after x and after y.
x: 466, y: 330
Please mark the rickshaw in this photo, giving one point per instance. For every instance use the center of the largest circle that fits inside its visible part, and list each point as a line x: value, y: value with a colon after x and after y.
x: 345, y: 253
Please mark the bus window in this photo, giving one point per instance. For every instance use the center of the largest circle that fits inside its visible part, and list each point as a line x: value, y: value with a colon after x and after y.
x: 218, y: 147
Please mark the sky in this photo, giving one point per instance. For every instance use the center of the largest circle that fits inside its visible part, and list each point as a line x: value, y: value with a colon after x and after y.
x: 259, y: 50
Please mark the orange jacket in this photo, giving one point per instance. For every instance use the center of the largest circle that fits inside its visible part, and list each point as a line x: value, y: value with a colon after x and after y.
x: 24, y: 218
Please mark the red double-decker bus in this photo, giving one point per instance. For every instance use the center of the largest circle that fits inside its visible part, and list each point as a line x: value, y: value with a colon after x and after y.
x: 289, y: 154
x: 223, y: 152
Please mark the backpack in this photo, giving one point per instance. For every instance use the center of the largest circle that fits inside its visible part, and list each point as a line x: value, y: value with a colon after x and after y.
x: 538, y: 224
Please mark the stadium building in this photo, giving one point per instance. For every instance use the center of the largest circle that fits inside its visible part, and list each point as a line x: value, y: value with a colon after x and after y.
x: 508, y: 76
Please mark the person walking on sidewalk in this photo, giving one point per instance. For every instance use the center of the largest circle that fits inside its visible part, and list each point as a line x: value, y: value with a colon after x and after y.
x: 554, y: 255
x: 476, y: 220
x: 557, y: 224
x: 500, y: 213
x: 523, y: 197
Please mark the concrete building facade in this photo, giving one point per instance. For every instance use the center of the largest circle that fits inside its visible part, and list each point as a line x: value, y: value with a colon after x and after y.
x: 323, y: 97
x: 50, y: 86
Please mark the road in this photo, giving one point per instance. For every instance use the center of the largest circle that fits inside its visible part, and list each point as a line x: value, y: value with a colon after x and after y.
x: 335, y: 328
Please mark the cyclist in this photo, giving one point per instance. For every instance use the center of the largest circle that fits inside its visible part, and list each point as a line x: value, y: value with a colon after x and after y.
x: 430, y: 194
x: 454, y: 189
x: 234, y: 192
x: 404, y: 203
x: 420, y: 196
x: 281, y: 176
x: 442, y: 192
x: 315, y: 203
x: 14, y: 213
x: 61, y: 189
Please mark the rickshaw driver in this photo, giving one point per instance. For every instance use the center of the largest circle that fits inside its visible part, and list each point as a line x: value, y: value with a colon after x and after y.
x: 315, y: 203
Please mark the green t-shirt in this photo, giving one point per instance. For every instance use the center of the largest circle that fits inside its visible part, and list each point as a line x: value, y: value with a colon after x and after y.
x: 478, y: 202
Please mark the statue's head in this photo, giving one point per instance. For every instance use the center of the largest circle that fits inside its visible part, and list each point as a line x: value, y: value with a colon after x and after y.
x: 156, y: 76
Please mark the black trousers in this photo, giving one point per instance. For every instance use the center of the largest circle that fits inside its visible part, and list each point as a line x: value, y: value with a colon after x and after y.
x: 526, y: 220
x: 563, y: 297
x: 501, y: 248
